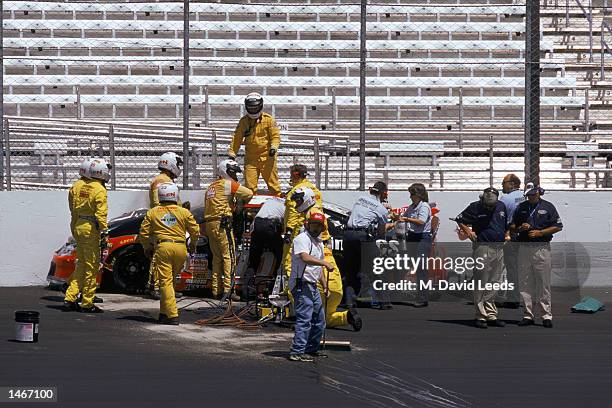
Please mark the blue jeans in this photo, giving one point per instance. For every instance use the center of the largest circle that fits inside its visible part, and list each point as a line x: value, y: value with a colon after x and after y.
x: 309, y: 319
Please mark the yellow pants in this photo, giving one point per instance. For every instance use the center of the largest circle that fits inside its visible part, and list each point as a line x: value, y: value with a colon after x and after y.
x: 153, y: 276
x: 169, y: 261
x: 83, y: 279
x: 268, y: 171
x: 334, y: 281
x: 224, y: 260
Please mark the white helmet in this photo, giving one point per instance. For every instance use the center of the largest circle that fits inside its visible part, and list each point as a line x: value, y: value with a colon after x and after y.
x: 304, y: 198
x: 228, y: 169
x: 171, y: 162
x: 253, y: 104
x: 168, y: 192
x: 99, y: 169
x: 84, y: 168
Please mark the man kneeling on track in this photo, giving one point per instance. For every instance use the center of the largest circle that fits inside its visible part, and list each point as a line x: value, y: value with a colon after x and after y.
x: 166, y: 225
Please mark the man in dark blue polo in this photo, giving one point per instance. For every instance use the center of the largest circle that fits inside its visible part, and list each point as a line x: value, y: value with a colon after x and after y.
x: 535, y: 220
x: 488, y: 232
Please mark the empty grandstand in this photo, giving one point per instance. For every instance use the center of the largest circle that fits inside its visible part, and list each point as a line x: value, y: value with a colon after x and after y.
x: 445, y: 88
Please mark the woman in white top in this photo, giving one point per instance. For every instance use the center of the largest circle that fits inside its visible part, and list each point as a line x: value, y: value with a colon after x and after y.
x: 418, y: 233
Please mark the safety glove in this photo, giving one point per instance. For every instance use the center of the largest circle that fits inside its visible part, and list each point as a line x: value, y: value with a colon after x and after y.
x: 287, y: 236
x: 272, y: 152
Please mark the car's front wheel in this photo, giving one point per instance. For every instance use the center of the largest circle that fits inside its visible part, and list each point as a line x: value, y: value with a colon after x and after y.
x: 131, y: 270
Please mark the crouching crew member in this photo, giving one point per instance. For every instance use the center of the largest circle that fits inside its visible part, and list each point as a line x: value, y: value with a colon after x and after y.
x: 308, y: 260
x: 220, y: 201
x: 487, y: 217
x: 89, y: 212
x: 163, y: 232
x: 333, y: 280
x: 535, y: 220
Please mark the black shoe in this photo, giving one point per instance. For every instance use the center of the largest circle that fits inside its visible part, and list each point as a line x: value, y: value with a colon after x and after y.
x: 161, y: 318
x: 93, y: 309
x: 304, y: 358
x: 234, y: 297
x: 496, y: 323
x: 525, y: 322
x: 318, y: 354
x: 354, y: 319
x: 547, y: 323
x: 154, y: 294
x: 96, y: 299
x: 70, y: 307
x: 481, y: 324
x: 170, y: 321
x: 420, y: 304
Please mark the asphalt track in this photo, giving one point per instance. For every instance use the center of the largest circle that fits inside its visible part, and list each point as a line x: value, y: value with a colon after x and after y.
x: 404, y: 357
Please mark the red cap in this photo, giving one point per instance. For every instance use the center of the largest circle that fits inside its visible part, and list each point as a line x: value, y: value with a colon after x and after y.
x: 316, y: 217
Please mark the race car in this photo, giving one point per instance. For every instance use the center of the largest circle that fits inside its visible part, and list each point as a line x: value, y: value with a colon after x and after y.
x: 125, y: 268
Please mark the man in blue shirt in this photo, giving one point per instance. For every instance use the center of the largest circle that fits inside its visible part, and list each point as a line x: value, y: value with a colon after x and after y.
x: 535, y: 221
x: 489, y: 231
x: 368, y: 220
x: 512, y: 197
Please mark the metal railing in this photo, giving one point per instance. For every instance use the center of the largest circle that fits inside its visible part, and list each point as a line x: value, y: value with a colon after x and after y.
x: 604, y: 49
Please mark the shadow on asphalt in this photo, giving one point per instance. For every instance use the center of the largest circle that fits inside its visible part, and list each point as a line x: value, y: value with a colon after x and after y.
x: 141, y: 319
x: 53, y: 298
x: 277, y: 354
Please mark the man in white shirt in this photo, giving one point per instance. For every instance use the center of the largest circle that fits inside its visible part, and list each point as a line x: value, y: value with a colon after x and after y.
x: 307, y: 261
x: 267, y: 232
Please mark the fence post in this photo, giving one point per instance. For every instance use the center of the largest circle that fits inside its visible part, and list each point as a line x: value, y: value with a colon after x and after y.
x: 591, y: 30
x: 317, y: 164
x: 491, y: 160
x: 194, y: 165
x: 215, y: 157
x: 2, y: 155
x: 78, y: 101
x: 7, y: 150
x: 362, y: 94
x: 206, y: 107
x: 567, y: 13
x: 186, y: 94
x: 602, y: 71
x: 587, y: 119
x: 348, y: 159
x: 334, y: 109
x: 111, y: 147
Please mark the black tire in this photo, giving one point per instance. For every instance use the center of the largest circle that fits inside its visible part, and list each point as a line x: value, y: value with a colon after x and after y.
x: 131, y: 270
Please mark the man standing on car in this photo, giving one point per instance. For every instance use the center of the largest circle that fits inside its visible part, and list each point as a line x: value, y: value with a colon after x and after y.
x: 169, y: 165
x: 163, y: 232
x: 90, y: 212
x: 488, y: 232
x: 294, y: 219
x: 512, y: 197
x: 368, y: 220
x: 220, y: 200
x: 308, y: 260
x: 536, y: 221
x: 261, y: 137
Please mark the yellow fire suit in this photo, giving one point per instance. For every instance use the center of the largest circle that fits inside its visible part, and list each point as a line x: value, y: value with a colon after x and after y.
x: 166, y: 226
x: 161, y: 178
x: 89, y: 211
x: 219, y: 202
x: 259, y: 136
x: 294, y: 220
x: 72, y: 193
x: 334, y: 281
